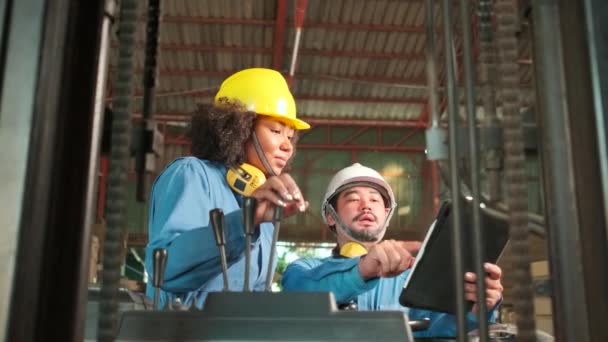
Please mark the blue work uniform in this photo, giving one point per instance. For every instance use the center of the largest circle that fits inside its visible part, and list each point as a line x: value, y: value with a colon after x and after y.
x: 182, y: 196
x: 341, y: 277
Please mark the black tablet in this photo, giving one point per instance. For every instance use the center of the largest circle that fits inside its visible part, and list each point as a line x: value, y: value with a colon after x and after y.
x: 431, y: 281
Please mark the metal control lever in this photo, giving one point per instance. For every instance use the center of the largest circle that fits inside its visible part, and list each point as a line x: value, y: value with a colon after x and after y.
x: 419, y: 324
x: 249, y: 205
x: 159, y: 263
x: 276, y: 221
x: 216, y: 216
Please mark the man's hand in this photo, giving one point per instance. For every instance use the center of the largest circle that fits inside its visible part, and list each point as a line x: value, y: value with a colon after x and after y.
x: 493, y: 286
x: 388, y: 258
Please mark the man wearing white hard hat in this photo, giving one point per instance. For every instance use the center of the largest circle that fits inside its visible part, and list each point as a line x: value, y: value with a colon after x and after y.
x: 369, y: 271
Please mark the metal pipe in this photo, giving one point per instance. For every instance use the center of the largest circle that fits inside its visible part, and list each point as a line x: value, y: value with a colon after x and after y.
x: 279, y: 36
x: 431, y: 63
x: 98, y: 110
x: 477, y: 233
x: 299, y: 22
x: 216, y: 217
x: 455, y: 184
x: 570, y: 316
x: 249, y: 206
x: 595, y: 21
x: 276, y: 220
x: 159, y: 264
x: 96, y: 132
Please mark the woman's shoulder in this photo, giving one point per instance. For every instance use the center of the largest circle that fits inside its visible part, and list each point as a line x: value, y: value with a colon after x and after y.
x: 194, y: 164
x: 191, y: 169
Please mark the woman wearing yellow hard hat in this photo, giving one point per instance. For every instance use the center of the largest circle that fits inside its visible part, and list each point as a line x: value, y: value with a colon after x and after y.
x: 241, y: 145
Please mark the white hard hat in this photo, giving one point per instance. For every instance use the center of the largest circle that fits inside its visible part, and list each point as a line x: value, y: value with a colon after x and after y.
x: 354, y: 175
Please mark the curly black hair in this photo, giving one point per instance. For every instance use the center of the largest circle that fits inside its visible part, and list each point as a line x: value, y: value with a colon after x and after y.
x: 219, y: 133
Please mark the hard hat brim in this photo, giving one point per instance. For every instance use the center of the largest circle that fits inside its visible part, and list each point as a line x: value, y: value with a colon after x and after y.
x: 368, y: 182
x: 294, y: 122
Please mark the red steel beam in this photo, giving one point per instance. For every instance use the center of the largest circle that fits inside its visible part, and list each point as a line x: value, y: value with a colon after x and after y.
x: 299, y: 22
x: 359, y: 122
x: 397, y: 101
x: 216, y: 48
x: 302, y: 51
x: 279, y: 35
x: 363, y: 54
x: 354, y: 136
x: 415, y: 82
x: 417, y: 149
x: 410, y: 101
x: 365, y: 27
x: 170, y: 117
x: 177, y: 19
x: 406, y: 137
x: 418, y: 82
x: 320, y: 25
x: 278, y: 50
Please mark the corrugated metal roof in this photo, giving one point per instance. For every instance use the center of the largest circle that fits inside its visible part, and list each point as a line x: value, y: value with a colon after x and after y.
x: 357, y: 59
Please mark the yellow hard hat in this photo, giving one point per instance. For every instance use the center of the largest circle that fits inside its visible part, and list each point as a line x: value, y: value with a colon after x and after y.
x: 263, y: 91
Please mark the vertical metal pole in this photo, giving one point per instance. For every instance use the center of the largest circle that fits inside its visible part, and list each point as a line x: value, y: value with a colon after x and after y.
x: 299, y: 23
x: 435, y: 135
x: 561, y: 211
x: 576, y: 222
x: 431, y: 68
x: 48, y: 301
x: 454, y: 181
x: 478, y: 246
x: 96, y: 132
x: 597, y: 31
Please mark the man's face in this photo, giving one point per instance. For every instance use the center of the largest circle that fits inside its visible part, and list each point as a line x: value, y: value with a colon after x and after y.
x: 362, y: 209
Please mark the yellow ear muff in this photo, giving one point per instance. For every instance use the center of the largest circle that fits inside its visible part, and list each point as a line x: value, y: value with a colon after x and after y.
x: 352, y: 249
x: 245, y: 179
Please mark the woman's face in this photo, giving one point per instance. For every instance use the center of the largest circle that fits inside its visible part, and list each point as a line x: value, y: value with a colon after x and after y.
x: 276, y: 141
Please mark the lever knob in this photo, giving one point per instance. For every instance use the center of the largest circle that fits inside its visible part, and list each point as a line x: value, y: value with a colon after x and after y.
x: 249, y: 205
x: 159, y: 264
x: 217, y: 221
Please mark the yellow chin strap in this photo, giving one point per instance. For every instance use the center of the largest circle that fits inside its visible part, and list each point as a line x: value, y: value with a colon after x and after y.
x: 352, y: 250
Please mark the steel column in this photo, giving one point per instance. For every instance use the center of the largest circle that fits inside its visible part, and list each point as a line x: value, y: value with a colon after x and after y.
x: 577, y: 244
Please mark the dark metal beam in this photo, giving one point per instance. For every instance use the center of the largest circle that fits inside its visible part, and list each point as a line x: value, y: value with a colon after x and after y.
x: 353, y: 147
x: 176, y: 19
x: 575, y: 205
x: 398, y: 101
x: 48, y: 301
x: 417, y: 82
x: 303, y: 51
x: 319, y: 25
x: 403, y: 101
x: 171, y: 117
x: 279, y: 35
